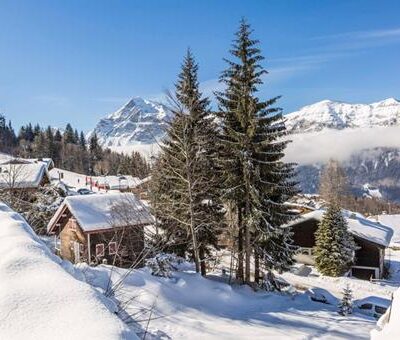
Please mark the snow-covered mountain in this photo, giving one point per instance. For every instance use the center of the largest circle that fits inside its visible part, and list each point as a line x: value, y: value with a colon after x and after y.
x: 139, y: 121
x: 337, y: 115
x: 142, y: 121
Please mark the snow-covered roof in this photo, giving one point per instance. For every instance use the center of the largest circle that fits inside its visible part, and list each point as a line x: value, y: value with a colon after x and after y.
x: 40, y: 299
x: 118, y: 182
x: 9, y: 159
x: 393, y: 222
x: 358, y: 225
x: 104, y: 211
x: 26, y: 175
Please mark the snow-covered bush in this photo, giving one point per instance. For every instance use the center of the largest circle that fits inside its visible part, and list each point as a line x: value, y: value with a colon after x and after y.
x: 345, y: 306
x: 272, y: 283
x: 163, y: 264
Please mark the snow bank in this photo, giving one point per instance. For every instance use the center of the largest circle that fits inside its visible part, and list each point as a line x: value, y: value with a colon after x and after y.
x: 39, y: 299
x: 388, y: 324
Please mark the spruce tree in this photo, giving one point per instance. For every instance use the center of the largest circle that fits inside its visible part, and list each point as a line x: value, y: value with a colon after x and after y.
x: 256, y: 180
x: 69, y: 135
x: 95, y: 152
x: 345, y: 306
x: 57, y: 136
x: 186, y: 177
x: 76, y: 137
x: 334, y: 246
x: 82, y: 141
x: 51, y: 148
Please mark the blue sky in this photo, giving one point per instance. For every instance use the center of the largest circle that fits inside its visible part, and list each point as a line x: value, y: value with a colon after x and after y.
x: 76, y: 61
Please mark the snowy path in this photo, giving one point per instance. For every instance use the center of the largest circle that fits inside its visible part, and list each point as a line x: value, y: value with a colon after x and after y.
x: 191, y: 307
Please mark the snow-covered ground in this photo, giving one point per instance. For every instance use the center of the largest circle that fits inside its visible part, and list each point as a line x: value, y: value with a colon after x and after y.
x: 41, y: 297
x: 188, y: 306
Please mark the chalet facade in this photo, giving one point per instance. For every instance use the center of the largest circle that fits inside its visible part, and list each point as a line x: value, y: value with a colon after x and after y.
x: 101, y: 227
x: 370, y: 237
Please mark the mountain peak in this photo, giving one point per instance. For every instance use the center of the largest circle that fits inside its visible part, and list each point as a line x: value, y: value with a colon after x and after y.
x: 388, y: 102
x: 328, y: 114
x: 139, y: 121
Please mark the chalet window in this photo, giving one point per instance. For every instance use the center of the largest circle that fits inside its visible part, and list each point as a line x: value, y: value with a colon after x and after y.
x: 366, y: 306
x: 99, y: 249
x: 112, y: 248
x: 72, y: 224
x: 380, y: 310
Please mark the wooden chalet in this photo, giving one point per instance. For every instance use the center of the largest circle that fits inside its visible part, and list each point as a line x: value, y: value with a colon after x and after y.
x: 101, y: 228
x: 370, y: 237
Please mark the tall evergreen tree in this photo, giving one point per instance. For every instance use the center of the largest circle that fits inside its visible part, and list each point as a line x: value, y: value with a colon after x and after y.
x: 76, y: 137
x: 334, y: 246
x: 256, y: 181
x: 57, y: 136
x: 186, y: 179
x: 95, y: 152
x: 51, y: 147
x: 37, y: 130
x: 69, y: 135
x: 82, y: 141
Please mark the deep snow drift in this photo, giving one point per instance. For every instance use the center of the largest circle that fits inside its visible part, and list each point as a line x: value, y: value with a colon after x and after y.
x: 39, y: 299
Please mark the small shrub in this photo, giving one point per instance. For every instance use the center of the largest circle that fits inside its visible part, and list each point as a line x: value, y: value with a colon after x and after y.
x: 163, y: 264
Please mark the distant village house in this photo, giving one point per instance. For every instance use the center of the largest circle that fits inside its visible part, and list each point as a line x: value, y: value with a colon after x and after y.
x: 371, y: 238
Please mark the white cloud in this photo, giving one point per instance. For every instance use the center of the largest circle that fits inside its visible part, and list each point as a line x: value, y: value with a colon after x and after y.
x: 368, y: 34
x: 318, y: 147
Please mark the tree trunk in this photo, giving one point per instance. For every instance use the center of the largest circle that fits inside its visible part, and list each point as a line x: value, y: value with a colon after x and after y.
x: 256, y: 267
x: 247, y: 245
x: 239, y: 274
x: 192, y: 221
x: 202, y: 261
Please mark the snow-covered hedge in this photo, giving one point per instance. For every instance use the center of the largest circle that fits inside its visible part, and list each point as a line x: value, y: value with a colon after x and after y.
x: 41, y: 300
x: 163, y: 264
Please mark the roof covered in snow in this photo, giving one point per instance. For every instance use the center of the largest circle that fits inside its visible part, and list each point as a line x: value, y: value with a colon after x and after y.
x: 39, y: 299
x: 358, y: 225
x: 9, y: 159
x: 25, y: 175
x: 118, y: 182
x: 104, y: 211
x: 392, y: 221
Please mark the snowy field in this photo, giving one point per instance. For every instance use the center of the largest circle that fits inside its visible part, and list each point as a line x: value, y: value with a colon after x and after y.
x: 188, y: 306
